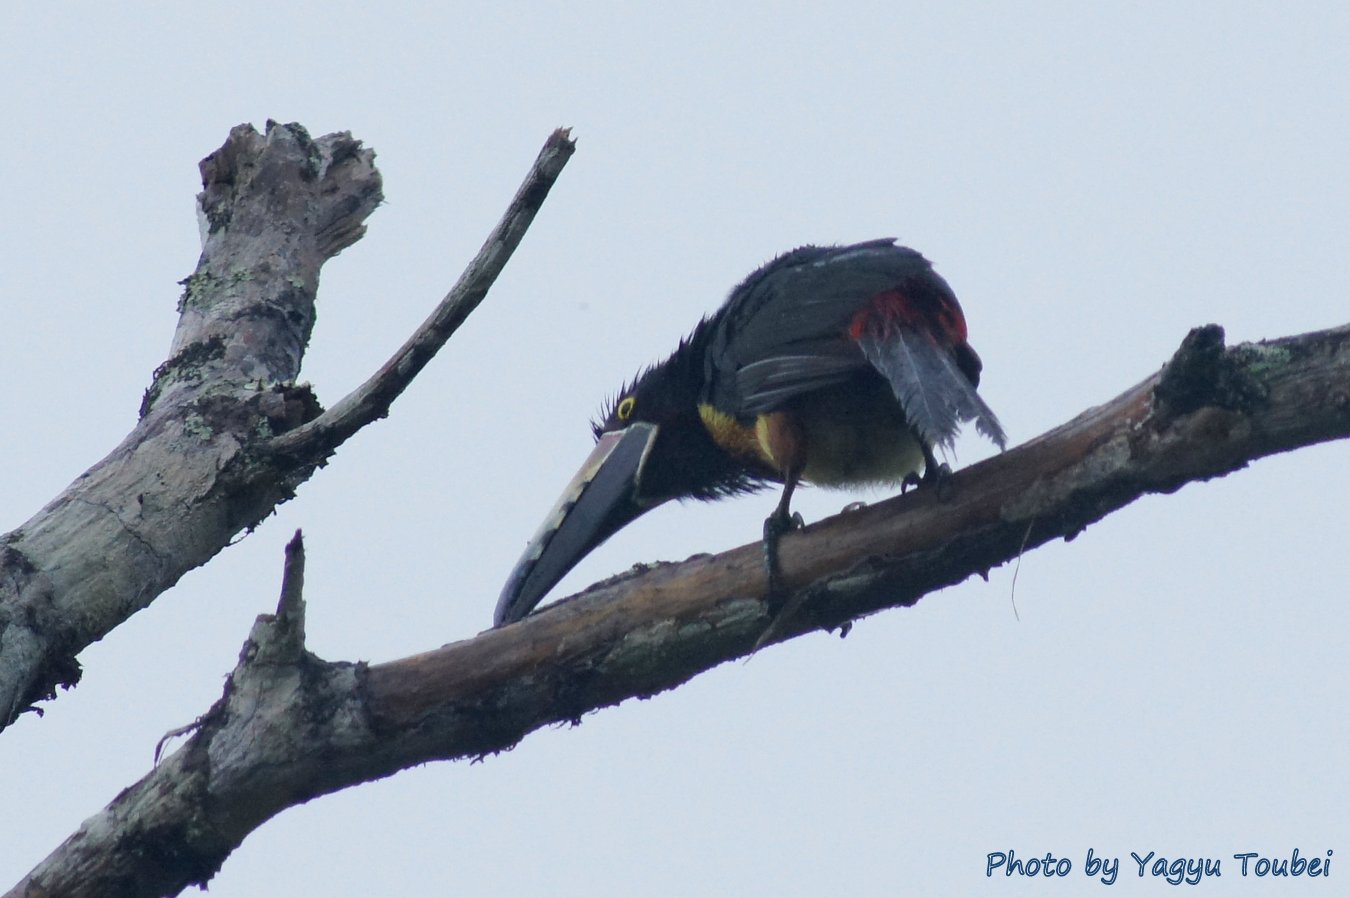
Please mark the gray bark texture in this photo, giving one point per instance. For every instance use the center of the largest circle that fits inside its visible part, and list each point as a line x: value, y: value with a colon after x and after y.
x: 225, y: 433
x: 291, y: 726
x: 188, y: 476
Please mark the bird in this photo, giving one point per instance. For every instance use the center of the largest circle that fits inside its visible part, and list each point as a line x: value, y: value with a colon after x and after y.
x: 838, y: 366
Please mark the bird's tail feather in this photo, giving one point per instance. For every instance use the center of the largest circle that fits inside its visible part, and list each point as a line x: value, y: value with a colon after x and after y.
x: 933, y: 392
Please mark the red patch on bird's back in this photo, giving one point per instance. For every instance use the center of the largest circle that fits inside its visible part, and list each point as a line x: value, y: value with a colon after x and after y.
x: 893, y: 309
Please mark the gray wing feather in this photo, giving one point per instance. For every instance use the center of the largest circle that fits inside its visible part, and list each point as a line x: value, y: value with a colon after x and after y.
x: 768, y: 383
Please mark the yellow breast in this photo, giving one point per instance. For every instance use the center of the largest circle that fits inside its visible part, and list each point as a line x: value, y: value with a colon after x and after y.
x: 849, y: 435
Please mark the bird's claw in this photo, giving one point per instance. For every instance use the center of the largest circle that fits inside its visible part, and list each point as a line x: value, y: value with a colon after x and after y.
x: 775, y: 525
x: 936, y: 473
x: 938, y: 477
x: 778, y: 523
x: 935, y: 476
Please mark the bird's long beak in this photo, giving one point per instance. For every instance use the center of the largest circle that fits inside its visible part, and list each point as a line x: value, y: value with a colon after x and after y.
x: 601, y: 498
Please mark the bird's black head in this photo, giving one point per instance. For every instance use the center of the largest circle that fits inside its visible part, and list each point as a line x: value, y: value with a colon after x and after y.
x: 661, y: 394
x: 683, y: 460
x: 651, y: 446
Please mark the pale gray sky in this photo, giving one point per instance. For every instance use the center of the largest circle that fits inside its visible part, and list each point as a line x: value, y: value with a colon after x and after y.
x: 1093, y: 182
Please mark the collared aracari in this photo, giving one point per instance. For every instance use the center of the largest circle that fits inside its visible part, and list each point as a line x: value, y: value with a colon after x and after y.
x: 840, y: 366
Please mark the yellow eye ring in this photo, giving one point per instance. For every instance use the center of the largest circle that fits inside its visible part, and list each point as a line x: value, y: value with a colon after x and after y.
x: 625, y: 409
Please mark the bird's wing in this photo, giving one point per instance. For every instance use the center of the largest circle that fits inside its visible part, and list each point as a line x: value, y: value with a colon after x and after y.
x: 818, y: 315
x: 784, y: 330
x: 767, y: 383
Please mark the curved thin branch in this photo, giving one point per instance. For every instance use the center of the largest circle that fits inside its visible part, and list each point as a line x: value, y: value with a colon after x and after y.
x: 372, y: 399
x: 202, y: 464
x: 290, y: 727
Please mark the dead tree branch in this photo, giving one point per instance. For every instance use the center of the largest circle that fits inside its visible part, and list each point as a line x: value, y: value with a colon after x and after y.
x: 290, y: 726
x: 210, y: 456
x: 371, y: 400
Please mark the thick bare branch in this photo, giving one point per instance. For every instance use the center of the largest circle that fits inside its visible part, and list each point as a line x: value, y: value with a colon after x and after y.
x: 165, y: 832
x: 200, y: 465
x: 175, y: 491
x: 1215, y: 411
x: 291, y: 727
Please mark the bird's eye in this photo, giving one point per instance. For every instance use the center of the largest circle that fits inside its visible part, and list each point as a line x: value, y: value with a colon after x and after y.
x: 625, y: 409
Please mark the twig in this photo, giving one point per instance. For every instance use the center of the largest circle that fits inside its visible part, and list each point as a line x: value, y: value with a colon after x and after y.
x: 1017, y: 569
x: 372, y: 399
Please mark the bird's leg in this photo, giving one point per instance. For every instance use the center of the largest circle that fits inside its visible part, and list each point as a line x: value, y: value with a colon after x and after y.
x: 786, y: 445
x: 936, y: 474
x: 785, y: 442
x: 775, y: 525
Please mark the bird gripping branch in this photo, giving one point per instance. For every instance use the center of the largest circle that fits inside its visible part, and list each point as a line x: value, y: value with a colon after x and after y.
x: 839, y: 366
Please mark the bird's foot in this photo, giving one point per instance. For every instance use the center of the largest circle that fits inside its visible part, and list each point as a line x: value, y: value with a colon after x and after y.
x: 937, y: 475
x: 775, y: 525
